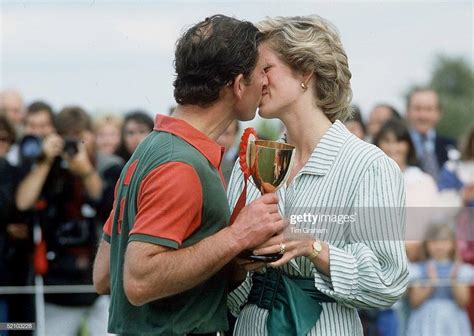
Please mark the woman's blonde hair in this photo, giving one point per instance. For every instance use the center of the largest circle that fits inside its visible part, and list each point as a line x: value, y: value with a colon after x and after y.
x: 311, y: 44
x: 108, y: 119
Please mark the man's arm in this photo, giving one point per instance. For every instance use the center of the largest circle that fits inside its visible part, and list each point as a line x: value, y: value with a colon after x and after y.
x: 81, y: 166
x: 101, y: 272
x: 29, y: 189
x: 152, y: 272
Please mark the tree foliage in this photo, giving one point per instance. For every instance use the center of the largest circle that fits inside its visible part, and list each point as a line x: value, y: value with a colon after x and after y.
x: 453, y: 79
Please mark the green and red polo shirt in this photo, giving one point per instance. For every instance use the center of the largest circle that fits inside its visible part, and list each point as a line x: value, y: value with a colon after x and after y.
x: 170, y: 193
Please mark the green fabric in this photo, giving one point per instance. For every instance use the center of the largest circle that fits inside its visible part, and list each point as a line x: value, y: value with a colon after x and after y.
x: 294, y: 311
x: 201, y: 309
x: 293, y: 303
x: 153, y: 240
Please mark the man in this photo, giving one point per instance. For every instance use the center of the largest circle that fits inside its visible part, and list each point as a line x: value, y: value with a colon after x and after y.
x: 379, y: 115
x: 11, y: 103
x: 167, y: 240
x: 423, y: 114
x: 71, y: 187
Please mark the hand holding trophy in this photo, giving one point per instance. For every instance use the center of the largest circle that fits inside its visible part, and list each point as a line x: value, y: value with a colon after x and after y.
x: 269, y: 163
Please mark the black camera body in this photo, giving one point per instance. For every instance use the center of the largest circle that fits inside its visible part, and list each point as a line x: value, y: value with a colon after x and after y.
x: 31, y: 148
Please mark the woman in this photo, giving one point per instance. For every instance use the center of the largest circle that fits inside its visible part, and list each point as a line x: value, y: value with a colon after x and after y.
x: 421, y: 191
x: 107, y: 131
x: 337, y: 266
x: 136, y: 126
x: 421, y: 195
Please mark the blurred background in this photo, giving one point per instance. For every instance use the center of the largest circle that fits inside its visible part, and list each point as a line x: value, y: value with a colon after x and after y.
x: 118, y: 55
x: 80, y: 84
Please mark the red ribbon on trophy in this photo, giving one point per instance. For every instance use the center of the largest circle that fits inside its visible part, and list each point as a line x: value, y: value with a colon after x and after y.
x: 249, y: 135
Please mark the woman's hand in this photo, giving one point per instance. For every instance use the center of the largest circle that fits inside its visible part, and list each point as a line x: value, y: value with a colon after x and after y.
x: 292, y: 246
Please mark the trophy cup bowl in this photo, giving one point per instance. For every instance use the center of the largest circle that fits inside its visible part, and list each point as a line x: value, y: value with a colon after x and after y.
x: 270, y: 164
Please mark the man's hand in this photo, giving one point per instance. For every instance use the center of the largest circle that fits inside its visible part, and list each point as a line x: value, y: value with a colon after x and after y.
x: 17, y: 231
x: 80, y: 163
x: 53, y: 146
x: 258, y: 221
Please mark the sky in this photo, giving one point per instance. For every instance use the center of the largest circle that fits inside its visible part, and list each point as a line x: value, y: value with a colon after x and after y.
x: 116, y: 56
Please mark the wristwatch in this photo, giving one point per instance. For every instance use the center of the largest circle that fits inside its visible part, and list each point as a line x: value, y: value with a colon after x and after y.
x: 317, y: 247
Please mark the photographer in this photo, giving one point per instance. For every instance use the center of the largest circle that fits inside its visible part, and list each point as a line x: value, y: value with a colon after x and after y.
x: 67, y: 184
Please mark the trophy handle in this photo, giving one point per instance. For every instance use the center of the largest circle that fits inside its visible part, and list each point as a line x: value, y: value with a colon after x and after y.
x: 251, y: 152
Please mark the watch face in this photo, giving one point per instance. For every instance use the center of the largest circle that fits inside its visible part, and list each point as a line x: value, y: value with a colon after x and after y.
x: 317, y: 246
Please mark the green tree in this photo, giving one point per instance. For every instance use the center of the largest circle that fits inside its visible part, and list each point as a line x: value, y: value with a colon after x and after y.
x: 453, y: 79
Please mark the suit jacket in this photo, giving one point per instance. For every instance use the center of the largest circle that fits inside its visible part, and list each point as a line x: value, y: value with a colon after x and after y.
x: 442, y: 146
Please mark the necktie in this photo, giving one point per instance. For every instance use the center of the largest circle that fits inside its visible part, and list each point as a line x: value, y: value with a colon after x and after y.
x: 429, y: 162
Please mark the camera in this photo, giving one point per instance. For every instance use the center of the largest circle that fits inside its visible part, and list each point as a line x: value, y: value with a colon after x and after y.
x: 71, y: 146
x: 31, y: 149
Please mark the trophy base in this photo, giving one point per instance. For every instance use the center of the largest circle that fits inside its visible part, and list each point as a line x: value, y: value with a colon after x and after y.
x: 263, y: 258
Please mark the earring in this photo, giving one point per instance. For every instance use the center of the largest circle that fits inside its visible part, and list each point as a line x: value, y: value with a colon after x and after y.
x: 303, y: 86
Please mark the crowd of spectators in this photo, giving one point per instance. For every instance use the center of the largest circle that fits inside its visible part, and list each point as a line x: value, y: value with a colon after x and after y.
x: 58, y: 171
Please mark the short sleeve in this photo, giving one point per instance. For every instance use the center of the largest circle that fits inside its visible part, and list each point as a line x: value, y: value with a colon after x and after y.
x: 415, y: 271
x: 466, y: 273
x: 169, y: 205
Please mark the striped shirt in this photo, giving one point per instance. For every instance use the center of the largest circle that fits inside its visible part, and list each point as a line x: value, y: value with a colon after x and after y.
x: 368, y: 266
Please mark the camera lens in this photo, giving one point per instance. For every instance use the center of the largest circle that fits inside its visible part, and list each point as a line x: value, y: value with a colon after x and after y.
x: 71, y: 146
x: 30, y: 147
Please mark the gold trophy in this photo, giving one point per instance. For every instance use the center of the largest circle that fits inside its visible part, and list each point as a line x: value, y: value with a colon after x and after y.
x: 269, y: 163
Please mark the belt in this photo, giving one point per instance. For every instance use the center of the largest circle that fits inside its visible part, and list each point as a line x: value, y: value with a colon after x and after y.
x: 294, y: 304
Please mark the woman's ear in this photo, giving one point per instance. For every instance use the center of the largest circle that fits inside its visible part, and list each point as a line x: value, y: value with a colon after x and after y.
x: 306, y: 78
x: 238, y: 86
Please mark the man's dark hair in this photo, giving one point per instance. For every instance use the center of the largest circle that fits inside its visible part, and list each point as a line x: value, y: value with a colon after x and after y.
x: 140, y: 117
x: 210, y: 54
x: 357, y: 117
x: 395, y: 114
x: 73, y: 120
x: 41, y: 106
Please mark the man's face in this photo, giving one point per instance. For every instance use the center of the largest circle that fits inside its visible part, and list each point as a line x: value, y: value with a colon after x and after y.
x: 423, y: 111
x: 39, y: 124
x: 379, y: 116
x: 252, y: 96
x: 12, y: 104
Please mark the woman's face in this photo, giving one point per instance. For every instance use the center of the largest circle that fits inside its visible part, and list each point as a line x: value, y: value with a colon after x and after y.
x: 440, y: 249
x: 284, y: 85
x: 107, y: 138
x: 135, y: 132
x: 395, y: 149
